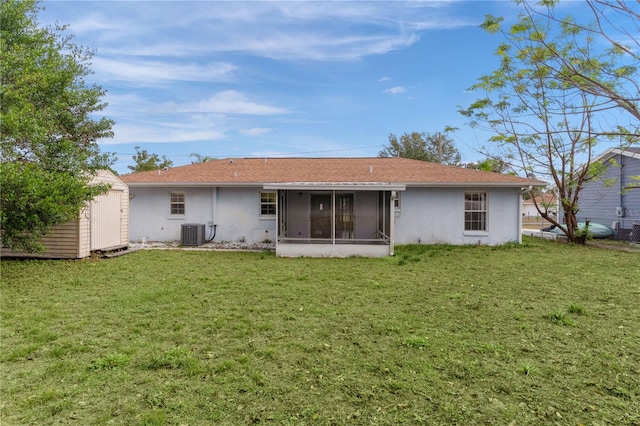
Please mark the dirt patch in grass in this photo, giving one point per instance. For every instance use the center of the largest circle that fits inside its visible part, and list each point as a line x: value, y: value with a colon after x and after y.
x: 543, y: 333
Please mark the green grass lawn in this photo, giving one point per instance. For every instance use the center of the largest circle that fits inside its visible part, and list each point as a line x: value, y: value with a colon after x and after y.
x: 543, y: 333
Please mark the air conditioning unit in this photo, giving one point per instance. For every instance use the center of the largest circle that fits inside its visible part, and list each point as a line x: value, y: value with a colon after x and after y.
x: 192, y: 234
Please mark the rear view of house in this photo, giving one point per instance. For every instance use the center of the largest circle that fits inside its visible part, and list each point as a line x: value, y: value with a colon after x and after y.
x: 326, y: 206
x: 103, y: 225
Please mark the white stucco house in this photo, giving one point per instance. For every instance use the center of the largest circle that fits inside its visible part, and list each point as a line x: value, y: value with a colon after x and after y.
x: 326, y: 206
x: 545, y: 201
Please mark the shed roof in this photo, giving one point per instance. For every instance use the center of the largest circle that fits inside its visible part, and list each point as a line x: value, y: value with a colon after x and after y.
x: 260, y: 171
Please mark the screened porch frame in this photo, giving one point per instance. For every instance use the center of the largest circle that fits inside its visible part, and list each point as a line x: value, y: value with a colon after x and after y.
x: 386, y: 195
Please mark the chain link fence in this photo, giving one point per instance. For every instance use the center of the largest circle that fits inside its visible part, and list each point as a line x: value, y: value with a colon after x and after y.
x: 623, y: 228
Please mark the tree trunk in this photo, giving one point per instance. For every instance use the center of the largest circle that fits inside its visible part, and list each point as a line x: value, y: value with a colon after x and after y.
x: 571, y: 222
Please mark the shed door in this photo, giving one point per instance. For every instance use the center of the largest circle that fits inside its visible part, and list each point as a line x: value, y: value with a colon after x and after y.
x: 106, y: 220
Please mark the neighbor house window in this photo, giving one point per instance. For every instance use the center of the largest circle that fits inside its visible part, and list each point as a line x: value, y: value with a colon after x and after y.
x: 267, y: 204
x: 475, y: 211
x: 177, y: 203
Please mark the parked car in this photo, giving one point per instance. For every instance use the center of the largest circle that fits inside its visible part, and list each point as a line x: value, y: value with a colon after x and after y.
x: 597, y: 230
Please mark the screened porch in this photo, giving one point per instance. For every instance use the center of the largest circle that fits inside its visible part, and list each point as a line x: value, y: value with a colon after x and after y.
x: 351, y: 220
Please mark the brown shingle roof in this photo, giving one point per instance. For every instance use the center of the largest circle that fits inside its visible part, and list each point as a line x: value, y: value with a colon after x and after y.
x: 543, y: 199
x: 322, y: 170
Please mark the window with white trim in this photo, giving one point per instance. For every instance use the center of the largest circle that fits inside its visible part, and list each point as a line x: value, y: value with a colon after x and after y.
x: 177, y: 203
x: 396, y: 202
x: 475, y: 211
x: 267, y: 204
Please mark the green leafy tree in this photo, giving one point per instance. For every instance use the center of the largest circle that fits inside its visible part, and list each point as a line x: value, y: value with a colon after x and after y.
x: 49, y: 150
x: 490, y: 164
x: 434, y: 148
x: 546, y: 119
x: 198, y: 158
x: 146, y: 161
x: 616, y: 23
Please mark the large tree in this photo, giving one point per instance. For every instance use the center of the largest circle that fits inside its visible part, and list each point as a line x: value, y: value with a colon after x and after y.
x: 490, y: 164
x: 199, y: 158
x: 616, y: 24
x: 431, y: 147
x: 49, y: 149
x: 542, y: 105
x: 145, y: 161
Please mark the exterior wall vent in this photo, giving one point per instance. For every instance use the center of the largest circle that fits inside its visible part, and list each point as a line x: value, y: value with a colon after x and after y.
x: 192, y: 234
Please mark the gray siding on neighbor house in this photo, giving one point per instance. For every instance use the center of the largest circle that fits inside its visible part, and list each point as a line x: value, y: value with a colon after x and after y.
x: 631, y: 199
x: 617, y: 200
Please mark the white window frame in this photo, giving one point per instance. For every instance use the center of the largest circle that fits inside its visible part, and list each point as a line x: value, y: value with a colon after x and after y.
x: 268, y: 204
x: 176, y: 203
x: 478, y: 206
x: 397, y: 204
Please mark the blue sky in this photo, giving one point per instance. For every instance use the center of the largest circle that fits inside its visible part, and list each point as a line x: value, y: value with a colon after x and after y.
x: 297, y: 79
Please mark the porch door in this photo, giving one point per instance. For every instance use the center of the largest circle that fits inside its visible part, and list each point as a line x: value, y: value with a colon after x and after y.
x: 344, y: 216
x: 321, y: 215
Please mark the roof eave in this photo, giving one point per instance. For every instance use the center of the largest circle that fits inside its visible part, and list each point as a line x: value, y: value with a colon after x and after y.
x: 536, y: 184
x: 616, y: 151
x: 191, y: 184
x: 400, y: 186
x: 360, y: 186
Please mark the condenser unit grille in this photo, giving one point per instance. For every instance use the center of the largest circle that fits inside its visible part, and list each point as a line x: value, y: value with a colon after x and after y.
x: 192, y: 234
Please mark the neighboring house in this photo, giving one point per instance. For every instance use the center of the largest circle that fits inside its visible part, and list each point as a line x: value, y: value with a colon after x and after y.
x: 327, y: 206
x: 548, y: 201
x: 101, y: 226
x: 614, y: 199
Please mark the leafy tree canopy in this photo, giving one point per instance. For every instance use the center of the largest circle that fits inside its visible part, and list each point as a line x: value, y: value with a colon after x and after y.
x: 555, y: 95
x: 490, y: 164
x: 144, y: 161
x: 49, y: 150
x: 198, y: 158
x: 434, y: 148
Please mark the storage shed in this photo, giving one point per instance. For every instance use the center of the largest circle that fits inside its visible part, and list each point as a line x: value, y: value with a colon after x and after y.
x: 101, y: 226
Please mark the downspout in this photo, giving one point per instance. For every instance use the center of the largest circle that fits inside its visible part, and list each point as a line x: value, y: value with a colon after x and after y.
x: 520, y: 212
x: 277, y: 237
x: 214, y: 213
x: 622, y: 191
x: 392, y: 223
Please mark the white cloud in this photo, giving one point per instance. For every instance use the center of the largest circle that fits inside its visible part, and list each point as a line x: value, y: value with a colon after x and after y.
x: 321, y: 46
x: 137, y: 133
x: 92, y: 22
x: 174, y: 129
x: 384, y: 79
x: 395, y: 90
x: 281, y: 30
x: 226, y: 102
x: 142, y: 72
x: 142, y: 120
x: 256, y: 131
